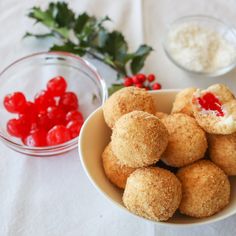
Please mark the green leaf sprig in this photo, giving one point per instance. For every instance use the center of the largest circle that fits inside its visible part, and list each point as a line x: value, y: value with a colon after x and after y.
x: 84, y: 34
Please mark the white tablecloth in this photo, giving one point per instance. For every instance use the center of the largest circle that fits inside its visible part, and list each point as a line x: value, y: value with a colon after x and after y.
x: 52, y: 196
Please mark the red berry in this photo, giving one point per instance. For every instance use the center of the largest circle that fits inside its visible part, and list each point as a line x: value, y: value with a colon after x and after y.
x: 15, y: 102
x: 56, y: 86
x: 43, y: 121
x: 135, y: 80
x: 147, y: 88
x: 18, y: 127
x: 128, y: 82
x: 56, y: 115
x: 74, y: 126
x: 156, y: 86
x: 151, y: 77
x: 74, y: 115
x: 68, y: 102
x: 141, y: 78
x: 139, y: 85
x: 36, y: 138
x: 43, y: 100
x: 58, y: 134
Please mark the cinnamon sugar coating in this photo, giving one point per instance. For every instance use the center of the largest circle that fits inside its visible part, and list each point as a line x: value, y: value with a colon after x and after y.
x: 139, y: 139
x: 206, y: 189
x: 222, y: 151
x: 126, y: 100
x: 153, y: 193
x: 187, y: 140
x: 183, y: 100
x: 114, y: 170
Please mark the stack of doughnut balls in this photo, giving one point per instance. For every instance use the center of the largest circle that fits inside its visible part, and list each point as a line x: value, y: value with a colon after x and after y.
x: 177, y: 161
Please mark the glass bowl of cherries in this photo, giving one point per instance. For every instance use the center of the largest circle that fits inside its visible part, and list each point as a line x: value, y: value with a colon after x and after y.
x: 45, y: 98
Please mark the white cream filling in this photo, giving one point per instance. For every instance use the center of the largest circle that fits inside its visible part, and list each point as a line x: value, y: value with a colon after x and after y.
x: 229, y: 121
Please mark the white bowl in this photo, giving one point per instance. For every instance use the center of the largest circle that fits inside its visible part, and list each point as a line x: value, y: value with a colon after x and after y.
x: 94, y: 137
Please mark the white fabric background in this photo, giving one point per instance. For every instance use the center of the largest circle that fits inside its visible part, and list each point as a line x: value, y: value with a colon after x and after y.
x: 52, y: 196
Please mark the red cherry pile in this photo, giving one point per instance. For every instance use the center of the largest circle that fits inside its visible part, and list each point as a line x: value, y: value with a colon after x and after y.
x: 142, y: 81
x: 210, y: 102
x: 52, y: 118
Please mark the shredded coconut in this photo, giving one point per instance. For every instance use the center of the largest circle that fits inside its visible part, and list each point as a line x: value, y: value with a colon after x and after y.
x: 200, y: 49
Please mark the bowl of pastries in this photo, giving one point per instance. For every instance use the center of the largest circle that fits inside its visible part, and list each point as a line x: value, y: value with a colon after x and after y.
x: 165, y: 156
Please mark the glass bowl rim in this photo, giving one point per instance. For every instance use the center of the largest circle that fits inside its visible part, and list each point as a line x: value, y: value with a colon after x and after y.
x: 73, y: 142
x: 202, y: 17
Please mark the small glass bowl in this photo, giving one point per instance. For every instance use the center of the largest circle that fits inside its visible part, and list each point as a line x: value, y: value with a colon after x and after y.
x: 214, y: 24
x: 30, y: 74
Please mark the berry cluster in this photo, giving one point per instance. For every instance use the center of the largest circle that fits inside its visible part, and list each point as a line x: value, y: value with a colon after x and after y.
x: 52, y: 118
x: 142, y: 81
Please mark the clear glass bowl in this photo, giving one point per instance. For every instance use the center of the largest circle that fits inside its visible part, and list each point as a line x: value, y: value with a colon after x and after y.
x: 30, y: 75
x: 227, y: 32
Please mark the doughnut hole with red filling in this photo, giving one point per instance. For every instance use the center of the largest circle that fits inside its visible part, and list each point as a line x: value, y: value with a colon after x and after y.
x: 215, y: 109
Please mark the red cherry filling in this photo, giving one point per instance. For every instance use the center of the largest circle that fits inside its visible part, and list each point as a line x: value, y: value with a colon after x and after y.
x: 210, y: 102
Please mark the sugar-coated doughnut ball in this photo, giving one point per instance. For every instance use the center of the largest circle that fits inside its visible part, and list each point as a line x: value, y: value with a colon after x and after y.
x: 182, y: 103
x: 139, y: 139
x: 187, y: 140
x: 160, y: 114
x: 126, y: 100
x: 153, y: 193
x: 215, y: 109
x: 114, y: 170
x: 206, y: 189
x: 222, y: 151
